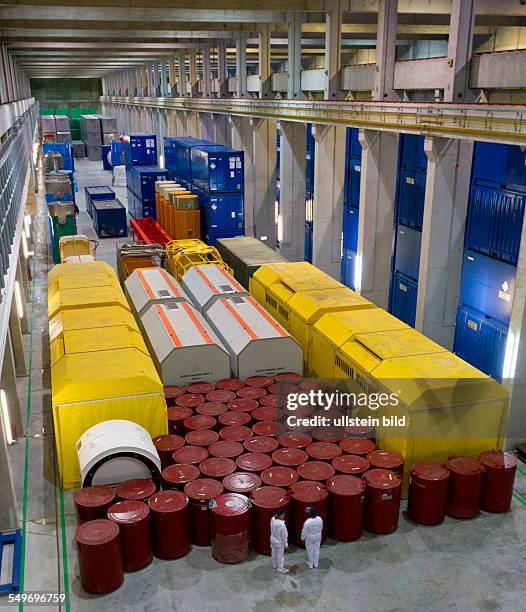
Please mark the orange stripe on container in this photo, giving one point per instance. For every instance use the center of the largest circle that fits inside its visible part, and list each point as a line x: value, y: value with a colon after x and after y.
x: 231, y: 279
x: 145, y: 284
x: 168, y: 326
x: 207, y: 338
x: 240, y: 320
x: 169, y: 282
x: 267, y: 317
x: 211, y: 286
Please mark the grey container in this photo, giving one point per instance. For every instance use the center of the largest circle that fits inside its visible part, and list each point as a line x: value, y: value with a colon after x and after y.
x: 57, y: 184
x: 62, y: 123
x: 107, y: 124
x: 90, y: 124
x: 63, y: 137
x: 245, y: 255
x: 94, y: 152
x: 92, y: 138
x: 79, y: 148
x: 47, y: 123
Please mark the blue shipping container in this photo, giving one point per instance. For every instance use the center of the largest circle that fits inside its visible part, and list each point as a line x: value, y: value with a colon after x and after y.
x: 65, y: 149
x: 404, y: 293
x: 481, y: 341
x: 501, y: 164
x: 221, y: 213
x: 494, y: 223
x: 109, y: 219
x: 106, y: 156
x: 183, y: 156
x: 143, y: 186
x: 411, y: 183
x: 97, y: 193
x: 407, y: 251
x: 350, y: 228
x: 117, y: 153
x: 487, y: 285
x: 353, y: 169
x: 411, y: 154
x: 217, y: 168
x: 349, y: 258
x: 307, y: 248
x: 141, y: 149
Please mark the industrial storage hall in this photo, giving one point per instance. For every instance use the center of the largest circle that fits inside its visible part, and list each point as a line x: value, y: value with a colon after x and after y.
x: 262, y: 294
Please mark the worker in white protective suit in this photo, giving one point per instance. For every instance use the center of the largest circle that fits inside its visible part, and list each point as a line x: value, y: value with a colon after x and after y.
x: 311, y: 535
x: 279, y: 537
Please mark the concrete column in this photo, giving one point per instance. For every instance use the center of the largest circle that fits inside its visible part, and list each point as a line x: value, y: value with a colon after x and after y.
x: 8, y: 384
x: 329, y: 177
x: 333, y: 33
x: 206, y: 126
x: 193, y: 72
x: 386, y: 51
x: 222, y: 73
x: 207, y: 72
x: 24, y: 321
x: 265, y: 71
x: 181, y: 123
x: 460, y: 46
x: 241, y: 64
x: 181, y: 80
x: 222, y: 132
x: 164, y: 78
x: 291, y: 223
x: 242, y: 139
x: 375, y: 227
x: 15, y: 331
x: 441, y: 253
x: 192, y: 125
x: 294, y: 55
x: 264, y: 180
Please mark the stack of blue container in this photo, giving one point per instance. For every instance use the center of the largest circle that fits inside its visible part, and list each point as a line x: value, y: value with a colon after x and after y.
x: 493, y: 232
x: 97, y: 193
x: 409, y: 215
x: 351, y: 204
x: 309, y: 193
x: 65, y: 149
x: 215, y: 173
x: 142, y: 171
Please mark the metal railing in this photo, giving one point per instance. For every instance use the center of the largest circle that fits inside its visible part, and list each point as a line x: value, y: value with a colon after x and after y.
x: 487, y: 122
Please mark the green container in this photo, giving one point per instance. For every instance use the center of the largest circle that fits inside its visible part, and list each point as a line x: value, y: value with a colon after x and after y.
x: 61, y: 111
x: 245, y: 255
x: 62, y: 222
x: 47, y: 111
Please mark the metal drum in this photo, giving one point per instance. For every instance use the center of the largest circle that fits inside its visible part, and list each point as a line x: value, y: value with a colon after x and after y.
x: 268, y: 428
x: 357, y: 446
x: 279, y: 476
x: 295, y: 439
x: 190, y: 400
x: 230, y: 527
x: 99, y: 555
x: 382, y: 500
x: 497, y: 482
x: 265, y: 502
x: 200, y: 388
x: 137, y: 489
x: 170, y: 517
x: 93, y: 502
x: 199, y: 421
x: 354, y: 465
x: 178, y: 475
x: 428, y: 490
x: 289, y: 457
x: 239, y: 404
x: 199, y: 493
x: 346, y: 507
x: 220, y: 395
x: 235, y: 433
x: 233, y: 417
x: 201, y: 437
x: 258, y: 381
x: 230, y: 384
x: 133, y: 519
x: 254, y: 462
x: 260, y: 444
x: 190, y: 454
x: 386, y: 460
x: 217, y: 467
x: 465, y: 487
x: 319, y: 471
x: 241, y: 482
x: 323, y: 451
x: 176, y: 417
x: 302, y: 495
x: 213, y: 409
x: 226, y: 448
x: 253, y: 393
x: 171, y: 393
x: 165, y: 446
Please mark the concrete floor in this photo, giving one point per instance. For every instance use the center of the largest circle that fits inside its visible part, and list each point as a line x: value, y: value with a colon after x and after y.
x: 477, y: 564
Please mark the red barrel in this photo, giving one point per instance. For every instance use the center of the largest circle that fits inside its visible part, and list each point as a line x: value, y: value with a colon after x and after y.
x: 320, y: 471
x: 283, y: 377
x: 236, y: 433
x: 93, y: 502
x: 295, y: 439
x: 265, y: 502
x: 260, y: 444
x: 279, y: 476
x: 382, y: 500
x: 240, y: 404
x: 190, y: 454
x: 200, y: 388
x: 176, y: 416
x: 99, y: 555
x: 133, y: 519
x: 254, y: 462
x: 137, y: 489
x: 199, y: 421
x: 220, y: 395
x: 177, y: 475
x: 241, y: 482
x: 386, y: 460
x: 346, y: 507
x: 225, y: 448
x: 465, y: 487
x: 266, y: 413
x: 259, y: 381
x: 497, y: 483
x: 328, y: 434
x: 252, y: 393
x: 170, y: 393
x: 361, y: 431
x: 357, y: 446
x: 354, y: 465
x: 428, y: 489
x: 303, y: 494
x: 323, y: 451
x: 217, y: 467
x: 170, y: 524
x: 230, y: 384
x: 190, y: 400
x: 269, y: 400
x: 233, y: 417
x: 199, y: 493
x: 290, y: 457
x: 268, y: 428
x: 213, y: 409
x: 201, y: 437
x: 165, y: 446
x: 230, y: 527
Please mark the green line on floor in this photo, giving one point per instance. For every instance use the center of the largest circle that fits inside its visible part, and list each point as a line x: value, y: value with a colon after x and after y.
x: 521, y: 471
x: 519, y: 498
x: 28, y: 416
x: 64, y: 551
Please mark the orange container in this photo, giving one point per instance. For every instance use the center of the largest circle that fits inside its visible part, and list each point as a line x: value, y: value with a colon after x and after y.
x: 186, y: 224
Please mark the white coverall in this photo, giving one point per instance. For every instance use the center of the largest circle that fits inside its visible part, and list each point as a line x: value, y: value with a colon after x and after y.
x: 311, y: 535
x: 278, y: 542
